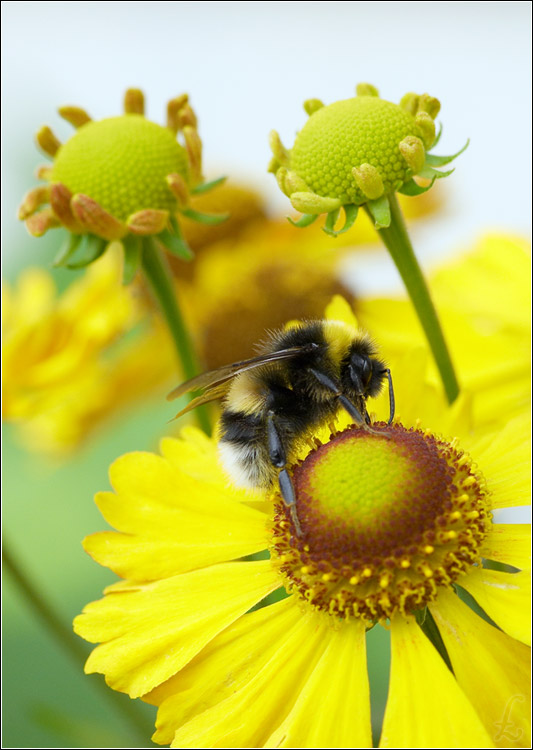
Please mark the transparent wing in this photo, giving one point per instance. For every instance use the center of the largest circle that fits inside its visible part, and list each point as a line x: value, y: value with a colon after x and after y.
x: 220, y: 376
x: 211, y: 395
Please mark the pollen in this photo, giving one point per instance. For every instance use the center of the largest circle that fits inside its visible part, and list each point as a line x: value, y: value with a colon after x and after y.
x: 375, y: 509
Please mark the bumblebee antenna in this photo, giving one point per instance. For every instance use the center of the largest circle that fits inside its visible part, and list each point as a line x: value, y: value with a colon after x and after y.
x: 392, y: 403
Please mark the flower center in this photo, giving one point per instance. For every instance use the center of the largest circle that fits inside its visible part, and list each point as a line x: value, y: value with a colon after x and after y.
x: 121, y: 163
x: 345, y: 135
x: 387, y: 517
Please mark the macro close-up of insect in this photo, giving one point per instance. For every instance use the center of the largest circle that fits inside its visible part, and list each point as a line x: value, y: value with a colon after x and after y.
x: 300, y: 379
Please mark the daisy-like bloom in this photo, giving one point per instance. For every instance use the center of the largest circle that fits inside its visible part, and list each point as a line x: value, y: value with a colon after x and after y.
x: 120, y: 179
x: 359, y: 151
x: 257, y: 276
x: 396, y: 522
x: 65, y: 366
x: 243, y: 287
x: 50, y: 340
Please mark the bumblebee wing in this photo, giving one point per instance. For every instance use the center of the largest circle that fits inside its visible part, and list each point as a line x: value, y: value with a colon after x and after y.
x: 211, y: 395
x: 221, y: 375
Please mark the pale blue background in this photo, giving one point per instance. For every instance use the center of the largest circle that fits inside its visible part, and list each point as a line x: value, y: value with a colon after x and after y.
x: 249, y: 66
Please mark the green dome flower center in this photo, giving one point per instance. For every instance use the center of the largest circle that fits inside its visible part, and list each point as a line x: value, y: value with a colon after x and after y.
x: 387, y: 517
x: 121, y: 163
x: 356, y: 481
x: 347, y: 134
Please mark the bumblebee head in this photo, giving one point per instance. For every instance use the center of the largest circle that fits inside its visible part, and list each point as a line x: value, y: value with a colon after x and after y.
x: 365, y: 372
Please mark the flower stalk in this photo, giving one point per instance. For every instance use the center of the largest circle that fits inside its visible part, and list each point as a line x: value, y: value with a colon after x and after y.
x: 157, y: 271
x: 65, y: 638
x: 396, y: 239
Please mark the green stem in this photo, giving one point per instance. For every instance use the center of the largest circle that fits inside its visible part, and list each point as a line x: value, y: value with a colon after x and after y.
x: 158, y: 274
x: 397, y: 242
x: 68, y: 641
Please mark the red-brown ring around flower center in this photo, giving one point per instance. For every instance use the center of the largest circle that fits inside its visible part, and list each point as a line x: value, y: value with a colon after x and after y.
x: 387, y: 517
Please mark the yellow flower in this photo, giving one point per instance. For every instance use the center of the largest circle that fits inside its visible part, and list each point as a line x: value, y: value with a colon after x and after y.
x: 246, y: 282
x: 484, y: 301
x: 122, y: 178
x: 241, y: 203
x: 64, y: 368
x: 247, y: 213
x: 244, y: 287
x: 182, y: 629
x: 48, y: 341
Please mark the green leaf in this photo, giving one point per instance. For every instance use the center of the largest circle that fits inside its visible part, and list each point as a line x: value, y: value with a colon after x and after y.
x: 304, y: 221
x: 67, y: 250
x: 429, y: 173
x: 208, y: 219
x: 331, y: 220
x: 437, y: 137
x: 440, y: 161
x: 176, y: 245
x: 132, y: 257
x: 350, y: 211
x: 205, y: 186
x: 412, y: 188
x: 91, y: 249
x: 380, y: 210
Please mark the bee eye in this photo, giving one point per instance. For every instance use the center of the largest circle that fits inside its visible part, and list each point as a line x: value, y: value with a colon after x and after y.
x: 366, y: 371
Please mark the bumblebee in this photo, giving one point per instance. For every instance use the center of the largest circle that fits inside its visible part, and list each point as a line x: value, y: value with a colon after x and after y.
x: 300, y: 379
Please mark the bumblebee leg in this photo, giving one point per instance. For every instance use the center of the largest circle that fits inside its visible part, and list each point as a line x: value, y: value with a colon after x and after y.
x: 334, y: 387
x: 391, y: 396
x: 278, y: 459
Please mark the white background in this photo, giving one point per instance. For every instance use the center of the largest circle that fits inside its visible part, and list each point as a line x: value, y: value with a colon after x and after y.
x: 249, y: 66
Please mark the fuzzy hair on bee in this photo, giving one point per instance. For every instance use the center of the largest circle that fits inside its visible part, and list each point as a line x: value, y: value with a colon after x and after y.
x: 301, y: 377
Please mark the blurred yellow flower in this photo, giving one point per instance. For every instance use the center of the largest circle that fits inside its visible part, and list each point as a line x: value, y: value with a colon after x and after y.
x: 484, y: 301
x: 264, y: 271
x: 179, y: 631
x: 50, y: 341
x: 272, y: 274
x: 63, y: 372
x: 246, y: 207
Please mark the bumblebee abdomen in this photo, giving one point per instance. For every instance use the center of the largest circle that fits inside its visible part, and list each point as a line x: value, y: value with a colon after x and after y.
x: 243, y: 451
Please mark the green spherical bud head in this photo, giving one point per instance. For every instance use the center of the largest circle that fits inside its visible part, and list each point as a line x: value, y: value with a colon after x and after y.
x: 347, y: 134
x: 121, y: 163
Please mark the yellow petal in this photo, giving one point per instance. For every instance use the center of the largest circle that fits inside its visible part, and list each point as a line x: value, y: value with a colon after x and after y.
x: 493, y: 282
x: 504, y: 459
x: 227, y: 664
x: 190, y: 453
x: 477, y: 322
x: 340, y: 309
x: 333, y: 708
x: 509, y: 543
x: 247, y: 717
x: 426, y: 707
x: 491, y: 668
x: 146, y: 475
x: 161, y: 540
x: 150, y: 632
x: 505, y: 597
